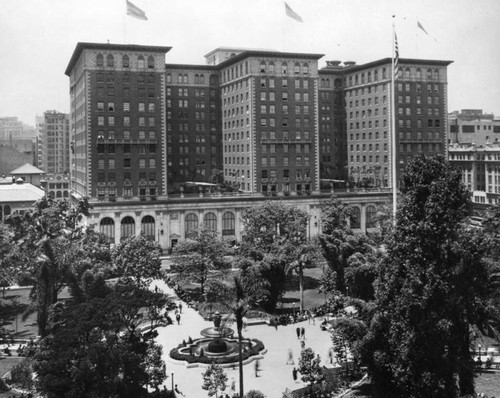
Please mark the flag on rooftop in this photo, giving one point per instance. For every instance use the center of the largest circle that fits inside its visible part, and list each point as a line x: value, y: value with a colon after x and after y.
x: 419, y: 25
x: 292, y: 14
x: 135, y: 11
x: 396, y: 55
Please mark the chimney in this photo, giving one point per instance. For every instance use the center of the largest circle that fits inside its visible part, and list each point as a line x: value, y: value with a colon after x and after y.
x: 348, y: 64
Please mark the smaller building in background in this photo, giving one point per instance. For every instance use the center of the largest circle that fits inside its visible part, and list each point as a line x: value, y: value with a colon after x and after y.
x: 28, y: 173
x: 17, y: 196
x: 53, y: 144
x: 56, y: 186
x: 473, y: 127
x: 480, y: 166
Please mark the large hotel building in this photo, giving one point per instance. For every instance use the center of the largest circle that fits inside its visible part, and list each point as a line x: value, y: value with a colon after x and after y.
x: 266, y: 123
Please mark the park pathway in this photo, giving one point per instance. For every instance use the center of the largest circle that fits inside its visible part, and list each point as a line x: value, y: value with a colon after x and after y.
x: 274, y: 376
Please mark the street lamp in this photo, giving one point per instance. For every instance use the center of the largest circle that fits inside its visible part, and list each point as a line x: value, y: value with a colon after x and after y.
x: 479, y: 349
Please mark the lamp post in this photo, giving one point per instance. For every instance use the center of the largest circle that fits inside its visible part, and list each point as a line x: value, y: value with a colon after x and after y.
x: 479, y: 349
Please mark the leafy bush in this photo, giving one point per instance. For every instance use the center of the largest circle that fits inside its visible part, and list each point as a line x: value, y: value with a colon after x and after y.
x: 254, y: 394
x: 3, y: 386
x: 22, y: 374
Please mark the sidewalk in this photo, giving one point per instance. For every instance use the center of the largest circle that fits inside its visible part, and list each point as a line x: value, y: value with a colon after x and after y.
x: 274, y: 377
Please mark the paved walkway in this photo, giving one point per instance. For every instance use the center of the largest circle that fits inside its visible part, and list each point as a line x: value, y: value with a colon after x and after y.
x: 274, y: 377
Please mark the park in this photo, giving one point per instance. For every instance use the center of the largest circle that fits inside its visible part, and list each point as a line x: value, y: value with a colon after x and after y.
x: 394, y: 313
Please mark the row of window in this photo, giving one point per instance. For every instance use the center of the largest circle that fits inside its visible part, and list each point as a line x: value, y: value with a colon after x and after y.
x: 299, y: 173
x: 411, y: 148
x: 405, y: 73
x: 110, y: 164
x: 369, y: 135
x: 271, y: 83
x: 297, y: 161
x: 151, y: 121
x: 370, y: 158
x: 110, y: 92
x: 298, y: 122
x: 110, y: 61
x: 141, y: 135
x: 141, y: 106
x: 369, y: 147
x: 111, y: 77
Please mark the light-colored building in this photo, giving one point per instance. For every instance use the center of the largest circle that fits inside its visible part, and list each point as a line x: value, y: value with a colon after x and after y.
x: 28, y: 173
x: 17, y: 196
x: 480, y: 167
x: 472, y: 126
x: 54, y: 143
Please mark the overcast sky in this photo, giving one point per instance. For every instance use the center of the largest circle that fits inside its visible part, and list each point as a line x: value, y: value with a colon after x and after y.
x: 37, y: 38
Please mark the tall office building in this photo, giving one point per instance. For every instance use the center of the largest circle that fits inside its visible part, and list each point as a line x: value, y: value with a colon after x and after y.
x: 332, y: 124
x: 194, y: 132
x: 263, y: 121
x: 117, y: 121
x: 54, y: 143
x: 420, y: 109
x: 270, y: 120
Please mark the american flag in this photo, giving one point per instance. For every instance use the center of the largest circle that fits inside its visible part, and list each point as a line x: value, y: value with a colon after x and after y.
x: 292, y: 14
x: 135, y: 11
x: 396, y: 56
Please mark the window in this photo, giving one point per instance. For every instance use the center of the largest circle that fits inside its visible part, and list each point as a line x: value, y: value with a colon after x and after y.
x: 228, y: 223
x: 148, y: 227
x: 99, y: 60
x: 210, y: 221
x: 151, y: 62
x: 107, y: 228
x: 191, y: 223
x: 140, y: 62
x: 355, y: 217
x: 127, y: 227
x: 110, y: 62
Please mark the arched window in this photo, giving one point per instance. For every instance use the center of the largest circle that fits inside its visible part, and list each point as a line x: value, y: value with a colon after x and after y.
x: 284, y: 68
x: 262, y: 67
x: 271, y: 67
x: 202, y: 79
x: 355, y: 217
x: 151, y: 62
x: 140, y: 62
x: 305, y: 68
x: 328, y: 83
x: 179, y: 78
x: 99, y: 60
x: 125, y: 61
x: 228, y: 223
x: 169, y: 78
x: 214, y: 80
x: 196, y: 79
x: 384, y: 73
x: 429, y: 74
x: 148, y: 227
x: 407, y: 73
x: 436, y: 74
x: 65, y: 194
x: 375, y: 76
x: 419, y: 73
x: 58, y: 194
x: 210, y: 221
x: 107, y: 227
x: 110, y: 61
x: 296, y: 68
x: 185, y: 78
x: 191, y: 223
x: 370, y: 216
x: 127, y: 227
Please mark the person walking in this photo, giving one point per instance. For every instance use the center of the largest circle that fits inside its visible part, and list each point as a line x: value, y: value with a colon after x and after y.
x: 298, y: 332
x: 257, y: 368
x: 289, y: 360
x: 294, y: 375
x: 302, y: 333
x: 180, y: 307
x: 178, y: 318
x: 177, y: 391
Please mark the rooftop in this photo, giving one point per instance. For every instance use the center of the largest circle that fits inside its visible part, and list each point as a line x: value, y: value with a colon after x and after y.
x: 27, y: 169
x: 11, y: 193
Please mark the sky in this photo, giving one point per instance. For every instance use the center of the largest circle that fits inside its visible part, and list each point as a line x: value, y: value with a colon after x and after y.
x: 38, y: 37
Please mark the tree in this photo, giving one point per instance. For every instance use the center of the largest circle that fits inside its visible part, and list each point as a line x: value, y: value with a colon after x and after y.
x: 272, y: 230
x: 214, y: 380
x: 200, y: 257
x: 138, y: 258
x: 305, y: 255
x: 429, y: 289
x: 95, y: 348
x: 309, y: 367
x: 38, y: 237
x: 339, y: 243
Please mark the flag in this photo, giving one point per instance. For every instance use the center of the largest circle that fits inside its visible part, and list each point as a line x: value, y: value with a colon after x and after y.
x: 292, y: 14
x: 135, y: 11
x: 419, y: 25
x: 396, y: 56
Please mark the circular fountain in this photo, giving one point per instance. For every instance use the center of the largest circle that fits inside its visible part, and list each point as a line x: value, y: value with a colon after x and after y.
x: 217, y: 345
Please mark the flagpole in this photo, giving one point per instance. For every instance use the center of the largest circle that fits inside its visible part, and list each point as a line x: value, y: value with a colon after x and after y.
x: 393, y: 125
